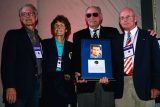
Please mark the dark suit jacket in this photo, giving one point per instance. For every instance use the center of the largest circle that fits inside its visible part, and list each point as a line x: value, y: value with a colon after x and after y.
x: 146, y: 74
x: 18, y: 63
x: 53, y: 82
x: 105, y: 33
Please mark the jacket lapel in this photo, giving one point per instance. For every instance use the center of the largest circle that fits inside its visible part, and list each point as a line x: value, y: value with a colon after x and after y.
x: 54, y: 47
x: 102, y: 33
x: 139, y: 46
x: 27, y: 42
x: 64, y: 50
x: 87, y: 34
x: 121, y: 43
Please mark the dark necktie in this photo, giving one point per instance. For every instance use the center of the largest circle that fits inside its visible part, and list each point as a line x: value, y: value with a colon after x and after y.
x: 95, y: 34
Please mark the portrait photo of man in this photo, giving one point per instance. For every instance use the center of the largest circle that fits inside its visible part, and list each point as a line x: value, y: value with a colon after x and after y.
x: 95, y: 51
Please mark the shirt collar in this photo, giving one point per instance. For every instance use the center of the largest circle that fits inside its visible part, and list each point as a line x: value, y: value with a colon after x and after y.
x: 133, y: 31
x: 92, y: 31
x: 57, y: 41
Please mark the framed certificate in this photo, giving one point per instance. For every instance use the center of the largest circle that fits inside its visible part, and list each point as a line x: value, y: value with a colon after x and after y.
x: 96, y: 59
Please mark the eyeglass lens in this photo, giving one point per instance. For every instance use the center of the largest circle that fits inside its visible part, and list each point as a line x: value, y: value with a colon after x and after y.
x: 88, y: 15
x: 27, y: 14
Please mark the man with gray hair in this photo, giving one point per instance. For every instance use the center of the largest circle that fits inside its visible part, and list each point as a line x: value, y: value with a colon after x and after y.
x: 98, y: 93
x: 21, y: 62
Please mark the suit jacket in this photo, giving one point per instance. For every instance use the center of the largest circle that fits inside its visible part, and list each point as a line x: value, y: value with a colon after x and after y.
x: 18, y: 63
x: 105, y: 33
x: 54, y: 82
x: 146, y: 71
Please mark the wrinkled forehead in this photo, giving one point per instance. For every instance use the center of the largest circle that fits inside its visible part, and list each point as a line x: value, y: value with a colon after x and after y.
x: 92, y: 10
x: 27, y: 9
x: 126, y: 13
x: 59, y: 23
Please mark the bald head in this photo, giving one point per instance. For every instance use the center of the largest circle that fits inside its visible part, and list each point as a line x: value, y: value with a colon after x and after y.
x: 127, y: 19
x: 128, y: 10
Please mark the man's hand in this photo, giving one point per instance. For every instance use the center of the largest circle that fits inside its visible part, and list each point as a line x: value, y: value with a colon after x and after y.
x: 104, y: 80
x: 154, y: 93
x: 152, y: 32
x: 78, y: 79
x: 11, y: 95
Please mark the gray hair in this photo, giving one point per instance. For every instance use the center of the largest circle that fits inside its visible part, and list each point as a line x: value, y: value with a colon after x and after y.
x: 31, y: 6
x: 96, y: 7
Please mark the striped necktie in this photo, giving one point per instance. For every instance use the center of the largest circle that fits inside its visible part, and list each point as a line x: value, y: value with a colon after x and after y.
x: 128, y: 64
x: 95, y: 33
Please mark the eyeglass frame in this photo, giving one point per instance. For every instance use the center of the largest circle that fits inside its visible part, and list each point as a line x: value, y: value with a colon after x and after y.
x: 88, y: 15
x: 59, y: 25
x: 25, y: 14
x: 127, y: 17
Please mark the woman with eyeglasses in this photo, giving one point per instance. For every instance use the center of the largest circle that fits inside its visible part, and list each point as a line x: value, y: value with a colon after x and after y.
x: 57, y: 80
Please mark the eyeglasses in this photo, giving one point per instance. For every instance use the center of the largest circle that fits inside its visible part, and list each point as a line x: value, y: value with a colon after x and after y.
x: 59, y: 26
x: 127, y: 18
x: 88, y: 15
x: 25, y: 14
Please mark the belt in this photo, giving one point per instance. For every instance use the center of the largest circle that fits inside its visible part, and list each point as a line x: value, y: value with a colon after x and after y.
x: 127, y: 75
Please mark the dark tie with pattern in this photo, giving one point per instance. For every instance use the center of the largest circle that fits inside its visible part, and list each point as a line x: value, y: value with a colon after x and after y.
x: 95, y: 33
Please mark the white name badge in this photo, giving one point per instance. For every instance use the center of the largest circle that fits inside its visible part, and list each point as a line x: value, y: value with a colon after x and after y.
x: 37, y: 51
x: 59, y: 62
x: 128, y: 51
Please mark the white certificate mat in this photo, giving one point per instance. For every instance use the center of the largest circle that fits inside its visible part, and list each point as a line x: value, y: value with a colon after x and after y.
x: 96, y: 66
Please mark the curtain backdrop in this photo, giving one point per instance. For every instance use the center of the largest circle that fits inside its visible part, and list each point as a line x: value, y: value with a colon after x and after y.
x: 74, y: 10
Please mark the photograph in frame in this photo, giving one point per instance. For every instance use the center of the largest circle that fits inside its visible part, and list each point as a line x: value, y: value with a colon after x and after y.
x: 96, y: 59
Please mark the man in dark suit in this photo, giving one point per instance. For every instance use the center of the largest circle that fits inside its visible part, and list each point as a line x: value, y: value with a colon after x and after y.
x: 141, y: 59
x: 21, y: 62
x: 91, y: 93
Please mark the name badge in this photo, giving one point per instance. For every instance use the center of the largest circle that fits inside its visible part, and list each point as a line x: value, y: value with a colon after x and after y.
x: 59, y: 62
x: 128, y: 51
x: 37, y: 51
